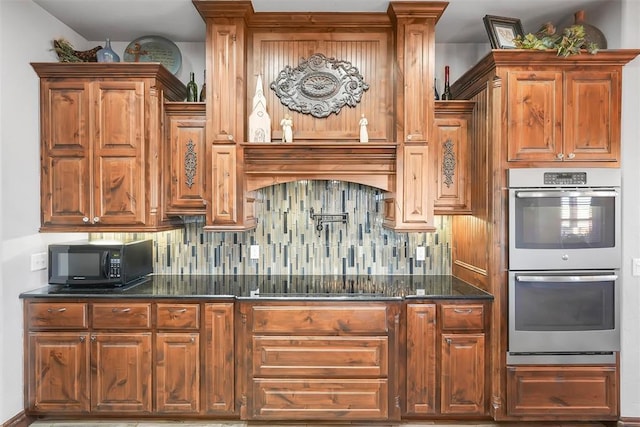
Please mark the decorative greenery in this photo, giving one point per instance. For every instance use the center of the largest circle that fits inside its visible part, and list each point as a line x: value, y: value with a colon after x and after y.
x: 66, y: 52
x: 570, y: 42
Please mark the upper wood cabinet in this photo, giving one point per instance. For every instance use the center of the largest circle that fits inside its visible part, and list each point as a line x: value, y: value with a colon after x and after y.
x: 392, y: 56
x: 563, y: 115
x: 185, y: 182
x: 101, y: 145
x: 452, y: 143
x: 551, y: 110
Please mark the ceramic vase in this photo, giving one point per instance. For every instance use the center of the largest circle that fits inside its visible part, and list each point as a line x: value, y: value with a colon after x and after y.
x: 591, y: 34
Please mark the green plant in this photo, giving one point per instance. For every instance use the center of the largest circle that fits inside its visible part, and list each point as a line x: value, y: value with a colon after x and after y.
x: 570, y: 42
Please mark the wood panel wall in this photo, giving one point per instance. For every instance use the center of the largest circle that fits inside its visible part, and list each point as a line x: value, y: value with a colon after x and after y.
x: 369, y: 52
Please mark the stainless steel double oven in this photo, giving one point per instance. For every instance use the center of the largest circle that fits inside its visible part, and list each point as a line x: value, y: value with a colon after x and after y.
x: 564, y: 264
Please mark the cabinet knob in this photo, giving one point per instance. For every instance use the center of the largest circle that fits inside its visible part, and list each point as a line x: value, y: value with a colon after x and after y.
x: 560, y: 156
x: 93, y: 338
x: 571, y: 155
x: 81, y: 339
x: 230, y: 137
x: 85, y: 219
x: 96, y: 219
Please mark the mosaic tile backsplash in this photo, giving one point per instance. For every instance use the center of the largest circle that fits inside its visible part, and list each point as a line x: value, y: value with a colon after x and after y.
x: 290, y: 244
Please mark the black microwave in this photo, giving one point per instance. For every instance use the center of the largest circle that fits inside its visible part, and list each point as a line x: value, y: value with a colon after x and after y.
x: 106, y: 263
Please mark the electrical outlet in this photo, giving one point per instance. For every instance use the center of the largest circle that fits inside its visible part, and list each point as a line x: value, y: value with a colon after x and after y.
x: 38, y: 261
x: 421, y: 253
x: 636, y: 267
x: 254, y: 251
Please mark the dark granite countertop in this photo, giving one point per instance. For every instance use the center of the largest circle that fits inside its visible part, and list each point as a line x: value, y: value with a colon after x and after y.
x: 277, y: 287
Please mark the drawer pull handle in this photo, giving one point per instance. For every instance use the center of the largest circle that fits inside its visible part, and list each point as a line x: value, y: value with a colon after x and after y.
x: 177, y: 310
x: 60, y: 310
x: 121, y: 310
x: 462, y: 310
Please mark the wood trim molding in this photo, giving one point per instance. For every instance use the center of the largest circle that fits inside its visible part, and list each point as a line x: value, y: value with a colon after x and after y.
x: 629, y: 422
x: 19, y: 420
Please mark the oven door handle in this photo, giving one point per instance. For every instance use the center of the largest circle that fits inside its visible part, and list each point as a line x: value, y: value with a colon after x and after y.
x: 567, y: 279
x: 540, y: 194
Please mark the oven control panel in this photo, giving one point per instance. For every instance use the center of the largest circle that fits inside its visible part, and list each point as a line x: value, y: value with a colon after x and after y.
x: 565, y: 178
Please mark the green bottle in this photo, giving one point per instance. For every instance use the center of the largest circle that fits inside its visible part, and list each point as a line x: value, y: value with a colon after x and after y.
x: 192, y: 89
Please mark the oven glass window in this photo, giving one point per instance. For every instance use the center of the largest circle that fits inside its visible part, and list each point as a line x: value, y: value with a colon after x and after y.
x: 561, y: 306
x: 565, y: 222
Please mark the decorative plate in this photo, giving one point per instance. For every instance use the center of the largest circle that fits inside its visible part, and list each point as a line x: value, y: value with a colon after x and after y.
x: 154, y: 49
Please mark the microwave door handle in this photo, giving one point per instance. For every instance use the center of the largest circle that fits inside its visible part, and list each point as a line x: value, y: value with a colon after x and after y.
x: 105, y: 264
x: 567, y: 279
x: 540, y: 194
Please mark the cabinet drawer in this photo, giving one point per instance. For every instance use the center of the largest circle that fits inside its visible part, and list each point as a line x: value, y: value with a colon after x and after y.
x: 178, y: 316
x: 315, y: 399
x: 121, y: 315
x: 327, y: 357
x: 318, y: 319
x: 63, y: 315
x: 462, y: 317
x: 582, y: 392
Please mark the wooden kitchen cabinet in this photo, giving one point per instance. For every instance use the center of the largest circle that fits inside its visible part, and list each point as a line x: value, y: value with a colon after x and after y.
x: 186, y: 147
x: 121, y: 372
x: 116, y: 357
x: 445, y: 357
x: 101, y: 145
x: 421, y: 359
x: 219, y: 357
x: 564, y: 115
x: 452, y: 143
x: 319, y: 361
x: 177, y: 360
x: 57, y: 378
x: 563, y: 392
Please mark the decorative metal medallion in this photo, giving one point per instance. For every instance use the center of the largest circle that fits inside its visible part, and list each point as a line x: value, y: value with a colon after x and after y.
x: 319, y: 86
x: 190, y: 163
x: 448, y: 162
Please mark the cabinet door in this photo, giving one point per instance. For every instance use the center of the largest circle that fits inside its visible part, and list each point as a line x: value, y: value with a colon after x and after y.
x: 223, y: 188
x: 534, y: 116
x: 119, y: 152
x: 65, y: 180
x: 219, y: 364
x: 121, y: 372
x: 421, y: 359
x: 418, y: 205
x: 177, y: 370
x: 592, y: 116
x: 186, y: 141
x: 462, y: 374
x: 58, y: 372
x: 452, y: 145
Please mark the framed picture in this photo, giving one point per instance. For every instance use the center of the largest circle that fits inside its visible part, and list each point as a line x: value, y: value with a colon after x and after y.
x: 502, y: 31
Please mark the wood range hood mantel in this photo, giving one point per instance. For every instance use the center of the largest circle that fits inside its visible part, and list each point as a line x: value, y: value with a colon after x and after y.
x: 368, y: 164
x: 393, y: 53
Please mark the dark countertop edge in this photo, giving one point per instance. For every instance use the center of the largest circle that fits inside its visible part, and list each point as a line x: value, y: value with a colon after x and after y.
x: 147, y: 293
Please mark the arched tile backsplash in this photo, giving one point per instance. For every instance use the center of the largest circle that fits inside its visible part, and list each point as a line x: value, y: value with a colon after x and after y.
x: 290, y: 244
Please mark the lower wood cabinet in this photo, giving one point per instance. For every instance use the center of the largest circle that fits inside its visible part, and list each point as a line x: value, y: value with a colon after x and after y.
x: 445, y: 357
x: 563, y: 392
x: 320, y: 361
x: 128, y: 358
